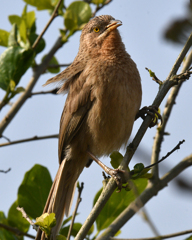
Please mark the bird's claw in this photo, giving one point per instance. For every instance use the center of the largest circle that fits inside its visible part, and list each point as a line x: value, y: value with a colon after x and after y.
x: 153, y: 112
x: 116, y: 175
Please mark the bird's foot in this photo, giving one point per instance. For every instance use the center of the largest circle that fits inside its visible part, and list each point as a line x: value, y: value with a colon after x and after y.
x: 116, y: 174
x: 153, y: 112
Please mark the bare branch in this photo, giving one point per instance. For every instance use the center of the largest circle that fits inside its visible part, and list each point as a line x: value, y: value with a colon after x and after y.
x: 54, y: 91
x: 35, y: 138
x: 100, y: 7
x: 154, y: 77
x: 59, y: 65
x: 54, y: 14
x: 3, y: 171
x: 177, y: 147
x: 157, y: 238
x: 16, y: 231
x: 79, y: 199
x: 24, y: 214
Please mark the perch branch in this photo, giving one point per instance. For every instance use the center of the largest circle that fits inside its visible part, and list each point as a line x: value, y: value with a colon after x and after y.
x: 151, y: 191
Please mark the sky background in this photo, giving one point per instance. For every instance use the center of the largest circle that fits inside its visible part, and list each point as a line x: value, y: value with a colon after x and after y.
x: 142, y: 32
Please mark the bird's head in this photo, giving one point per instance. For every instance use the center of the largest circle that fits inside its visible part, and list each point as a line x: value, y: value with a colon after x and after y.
x: 96, y: 31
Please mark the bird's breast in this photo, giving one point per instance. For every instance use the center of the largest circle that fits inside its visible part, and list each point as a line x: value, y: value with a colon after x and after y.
x: 117, y: 92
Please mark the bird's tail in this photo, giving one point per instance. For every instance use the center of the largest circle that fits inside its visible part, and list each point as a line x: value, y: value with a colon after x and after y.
x: 60, y: 196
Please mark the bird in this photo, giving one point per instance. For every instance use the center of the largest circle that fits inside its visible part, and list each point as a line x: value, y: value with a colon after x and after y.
x: 104, y: 96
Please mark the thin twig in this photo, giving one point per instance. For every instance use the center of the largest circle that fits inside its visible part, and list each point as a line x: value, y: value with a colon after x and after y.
x: 100, y: 7
x: 6, y: 138
x: 54, y: 14
x: 59, y: 65
x: 54, y: 91
x: 35, y: 138
x: 3, y: 171
x: 16, y: 231
x: 79, y: 199
x: 154, y: 77
x: 177, y: 147
x: 24, y: 214
x: 157, y: 238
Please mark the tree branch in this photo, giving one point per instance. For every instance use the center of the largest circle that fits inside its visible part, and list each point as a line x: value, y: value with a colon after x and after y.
x: 16, y: 231
x: 167, y: 155
x: 3, y: 171
x: 35, y: 138
x: 24, y: 214
x: 54, y: 14
x: 54, y: 91
x: 151, y: 191
x: 59, y: 65
x: 169, y: 105
x: 100, y: 7
x: 79, y: 199
x: 157, y: 238
x: 36, y: 74
x: 106, y: 193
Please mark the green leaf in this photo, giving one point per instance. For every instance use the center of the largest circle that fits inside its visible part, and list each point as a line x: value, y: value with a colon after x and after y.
x: 41, y: 44
x: 189, y: 238
x: 116, y: 159
x: 53, y: 62
x: 140, y: 172
x: 46, y: 222
x: 61, y: 237
x: 77, y: 14
x: 15, y: 218
x: 75, y: 230
x: 117, y: 203
x: 138, y: 167
x: 98, y: 1
x: 40, y: 4
x: 15, y: 19
x: 30, y: 19
x: 34, y: 189
x: 14, y: 62
x: 23, y: 31
x: 4, y: 35
x: 66, y: 221
x: 12, y: 40
x: 4, y: 234
x: 91, y: 230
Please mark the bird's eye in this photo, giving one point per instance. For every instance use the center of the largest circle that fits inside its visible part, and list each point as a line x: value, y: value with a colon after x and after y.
x: 96, y: 29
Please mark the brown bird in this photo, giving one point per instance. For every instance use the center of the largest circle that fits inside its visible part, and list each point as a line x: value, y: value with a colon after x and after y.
x: 104, y: 96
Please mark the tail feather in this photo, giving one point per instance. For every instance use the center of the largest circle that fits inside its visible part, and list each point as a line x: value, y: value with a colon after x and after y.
x: 60, y: 197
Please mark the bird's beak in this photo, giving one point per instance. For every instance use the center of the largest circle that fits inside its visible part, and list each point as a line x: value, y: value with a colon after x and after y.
x: 113, y: 25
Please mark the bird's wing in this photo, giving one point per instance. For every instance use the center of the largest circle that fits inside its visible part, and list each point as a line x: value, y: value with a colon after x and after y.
x: 64, y: 78
x: 74, y: 114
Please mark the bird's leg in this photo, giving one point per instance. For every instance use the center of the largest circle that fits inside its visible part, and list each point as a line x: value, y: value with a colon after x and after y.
x: 114, y: 173
x: 153, y: 112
